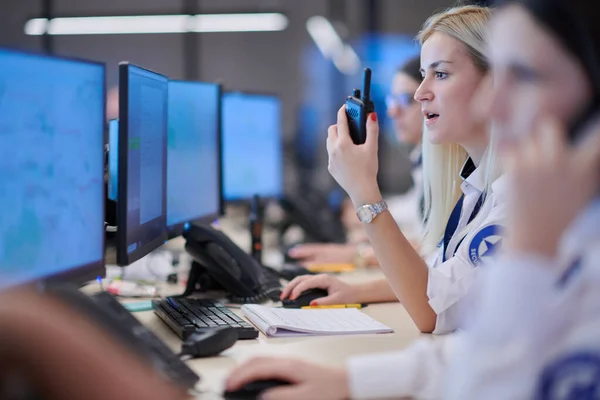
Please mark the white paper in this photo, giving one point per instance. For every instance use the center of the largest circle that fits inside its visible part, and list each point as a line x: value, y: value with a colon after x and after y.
x: 294, y: 322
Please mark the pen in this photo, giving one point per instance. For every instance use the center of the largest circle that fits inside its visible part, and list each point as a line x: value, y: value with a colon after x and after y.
x: 334, y: 306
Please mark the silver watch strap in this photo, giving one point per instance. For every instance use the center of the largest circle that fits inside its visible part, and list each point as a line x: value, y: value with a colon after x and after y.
x: 380, y: 207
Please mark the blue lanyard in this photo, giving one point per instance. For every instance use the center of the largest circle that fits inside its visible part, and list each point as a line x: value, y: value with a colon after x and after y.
x: 418, y: 162
x: 453, y: 221
x: 570, y: 272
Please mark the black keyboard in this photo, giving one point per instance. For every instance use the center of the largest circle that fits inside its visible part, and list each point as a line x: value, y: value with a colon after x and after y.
x: 136, y: 336
x: 184, y: 316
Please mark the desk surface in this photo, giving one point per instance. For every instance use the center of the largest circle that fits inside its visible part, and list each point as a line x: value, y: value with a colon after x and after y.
x: 328, y: 350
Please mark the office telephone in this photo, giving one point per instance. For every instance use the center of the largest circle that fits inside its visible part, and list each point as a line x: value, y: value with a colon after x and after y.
x: 219, y: 264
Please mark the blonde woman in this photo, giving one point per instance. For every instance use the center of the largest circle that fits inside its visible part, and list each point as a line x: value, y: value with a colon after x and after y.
x: 458, y: 169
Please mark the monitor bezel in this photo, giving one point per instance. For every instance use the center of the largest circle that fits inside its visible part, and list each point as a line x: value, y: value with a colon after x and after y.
x: 263, y: 199
x: 125, y: 258
x: 178, y: 229
x: 95, y: 269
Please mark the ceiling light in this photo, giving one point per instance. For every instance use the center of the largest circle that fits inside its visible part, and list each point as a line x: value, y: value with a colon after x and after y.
x: 332, y: 46
x: 325, y: 36
x: 141, y: 24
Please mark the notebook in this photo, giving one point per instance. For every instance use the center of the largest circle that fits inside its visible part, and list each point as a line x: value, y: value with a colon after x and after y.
x: 284, y: 322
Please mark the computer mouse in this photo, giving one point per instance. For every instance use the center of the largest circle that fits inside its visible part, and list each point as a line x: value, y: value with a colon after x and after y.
x: 253, y: 389
x: 209, y: 342
x: 305, y: 298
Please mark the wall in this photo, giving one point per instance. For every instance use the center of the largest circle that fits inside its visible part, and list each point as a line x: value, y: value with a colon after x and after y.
x: 261, y: 61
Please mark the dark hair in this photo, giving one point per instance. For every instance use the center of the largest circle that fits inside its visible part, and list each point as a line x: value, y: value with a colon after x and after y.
x: 576, y: 24
x: 412, y: 68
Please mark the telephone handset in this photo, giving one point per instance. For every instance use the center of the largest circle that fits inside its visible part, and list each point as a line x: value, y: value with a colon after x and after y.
x: 216, y: 257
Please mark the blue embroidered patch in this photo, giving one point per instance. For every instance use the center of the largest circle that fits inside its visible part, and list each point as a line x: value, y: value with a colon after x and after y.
x: 484, y: 244
x: 573, y: 377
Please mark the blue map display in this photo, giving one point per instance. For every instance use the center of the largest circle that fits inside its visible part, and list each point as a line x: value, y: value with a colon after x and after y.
x: 252, y: 146
x: 51, y: 164
x: 193, y: 189
x: 146, y: 157
x: 113, y: 159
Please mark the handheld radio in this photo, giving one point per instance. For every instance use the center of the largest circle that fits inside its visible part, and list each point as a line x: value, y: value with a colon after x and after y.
x: 358, y: 109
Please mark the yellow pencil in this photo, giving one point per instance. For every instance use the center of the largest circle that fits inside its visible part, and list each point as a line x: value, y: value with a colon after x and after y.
x: 333, y: 306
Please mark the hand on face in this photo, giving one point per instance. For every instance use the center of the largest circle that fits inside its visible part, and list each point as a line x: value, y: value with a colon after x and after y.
x: 307, y: 381
x: 354, y: 167
x: 551, y: 181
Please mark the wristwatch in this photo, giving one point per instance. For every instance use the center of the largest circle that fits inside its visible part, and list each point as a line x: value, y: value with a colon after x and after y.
x: 368, y: 212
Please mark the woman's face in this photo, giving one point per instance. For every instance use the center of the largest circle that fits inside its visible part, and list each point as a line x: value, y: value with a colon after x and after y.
x: 450, y: 79
x: 404, y: 111
x: 532, y: 76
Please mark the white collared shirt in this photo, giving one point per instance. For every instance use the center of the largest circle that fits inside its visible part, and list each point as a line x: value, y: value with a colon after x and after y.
x: 536, y: 329
x: 528, y: 333
x: 450, y: 281
x: 419, y: 371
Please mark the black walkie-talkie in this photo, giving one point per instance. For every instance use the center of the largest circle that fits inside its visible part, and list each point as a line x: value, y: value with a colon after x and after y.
x: 357, y: 110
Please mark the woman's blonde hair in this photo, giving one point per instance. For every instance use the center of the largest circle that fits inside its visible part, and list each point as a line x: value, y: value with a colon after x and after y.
x: 442, y: 163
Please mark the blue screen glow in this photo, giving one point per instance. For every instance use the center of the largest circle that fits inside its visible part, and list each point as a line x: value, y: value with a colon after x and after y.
x: 51, y: 164
x: 113, y: 159
x: 146, y: 157
x: 252, y: 146
x: 193, y: 188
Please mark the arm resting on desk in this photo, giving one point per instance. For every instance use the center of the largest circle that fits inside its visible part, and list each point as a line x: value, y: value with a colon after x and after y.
x: 378, y: 291
x: 404, y: 268
x: 65, y: 357
x: 418, y: 371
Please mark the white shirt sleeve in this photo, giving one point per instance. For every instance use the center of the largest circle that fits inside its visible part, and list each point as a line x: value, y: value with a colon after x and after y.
x: 417, y: 372
x: 450, y: 282
x: 524, y: 324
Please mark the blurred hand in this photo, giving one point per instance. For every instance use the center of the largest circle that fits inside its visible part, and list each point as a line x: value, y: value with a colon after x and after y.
x: 338, y: 291
x: 308, y: 381
x: 348, y: 216
x: 551, y: 181
x: 324, y: 253
x: 354, y: 167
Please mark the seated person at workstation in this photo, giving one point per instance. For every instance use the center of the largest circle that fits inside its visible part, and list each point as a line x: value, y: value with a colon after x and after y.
x: 464, y: 208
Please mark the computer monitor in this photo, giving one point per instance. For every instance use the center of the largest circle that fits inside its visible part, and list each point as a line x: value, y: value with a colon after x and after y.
x: 193, y: 155
x: 51, y: 169
x: 142, y: 176
x: 252, y: 146
x: 113, y: 159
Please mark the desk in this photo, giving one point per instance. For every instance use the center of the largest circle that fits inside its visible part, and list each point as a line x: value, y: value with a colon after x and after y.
x: 328, y: 350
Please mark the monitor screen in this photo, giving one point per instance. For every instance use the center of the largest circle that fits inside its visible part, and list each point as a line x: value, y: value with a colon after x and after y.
x: 113, y: 159
x: 141, y: 201
x: 52, y: 168
x: 252, y: 146
x: 193, y: 153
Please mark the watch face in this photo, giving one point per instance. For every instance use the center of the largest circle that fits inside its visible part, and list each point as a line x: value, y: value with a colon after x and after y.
x: 365, y: 214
